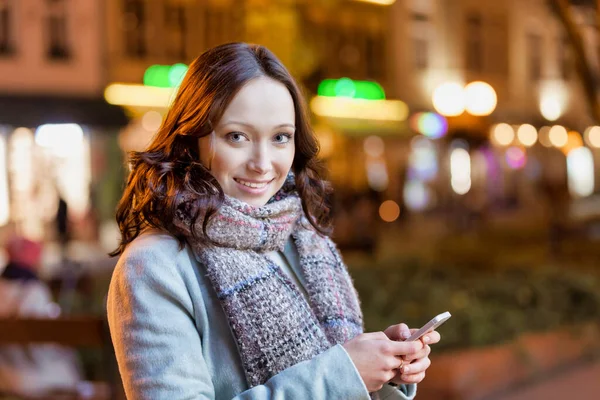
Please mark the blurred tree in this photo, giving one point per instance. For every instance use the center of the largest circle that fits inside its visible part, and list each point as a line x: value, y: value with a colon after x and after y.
x: 586, y: 72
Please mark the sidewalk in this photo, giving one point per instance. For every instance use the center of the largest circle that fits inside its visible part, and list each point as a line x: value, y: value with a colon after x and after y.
x: 581, y: 383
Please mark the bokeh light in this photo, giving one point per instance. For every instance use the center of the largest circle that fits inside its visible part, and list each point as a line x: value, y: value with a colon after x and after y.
x: 430, y: 124
x: 503, y: 134
x: 449, y: 99
x: 62, y: 139
x: 574, y: 141
x: 592, y: 136
x: 558, y: 136
x: 374, y: 146
x: 515, y: 157
x: 580, y: 172
x: 480, y: 98
x: 551, y: 108
x: 417, y: 196
x: 460, y: 170
x: 151, y: 121
x: 423, y: 160
x: 389, y: 211
x: 377, y: 175
x: 544, y: 136
x: 527, y: 135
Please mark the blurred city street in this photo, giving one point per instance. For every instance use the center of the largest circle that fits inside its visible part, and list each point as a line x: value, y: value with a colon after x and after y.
x: 461, y: 138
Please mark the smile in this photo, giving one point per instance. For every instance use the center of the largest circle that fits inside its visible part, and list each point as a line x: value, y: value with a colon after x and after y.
x: 254, y: 185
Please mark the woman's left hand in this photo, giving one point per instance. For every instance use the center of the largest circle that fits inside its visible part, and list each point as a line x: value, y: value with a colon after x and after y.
x: 415, y: 365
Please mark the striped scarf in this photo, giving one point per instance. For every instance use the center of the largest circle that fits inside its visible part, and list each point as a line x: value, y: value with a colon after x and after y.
x: 273, y: 324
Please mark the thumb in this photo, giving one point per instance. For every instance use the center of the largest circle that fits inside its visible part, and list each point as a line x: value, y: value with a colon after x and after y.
x: 398, y: 332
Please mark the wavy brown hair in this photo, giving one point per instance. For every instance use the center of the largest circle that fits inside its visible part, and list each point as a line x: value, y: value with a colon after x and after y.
x: 169, y: 170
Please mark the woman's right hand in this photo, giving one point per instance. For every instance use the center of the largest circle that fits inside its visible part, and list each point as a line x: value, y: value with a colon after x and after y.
x: 375, y: 357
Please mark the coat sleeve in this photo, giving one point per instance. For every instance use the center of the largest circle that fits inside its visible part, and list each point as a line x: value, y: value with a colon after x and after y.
x: 159, y: 350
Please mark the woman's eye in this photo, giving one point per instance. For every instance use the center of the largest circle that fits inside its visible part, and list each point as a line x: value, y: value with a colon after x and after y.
x: 283, y: 138
x: 236, y: 137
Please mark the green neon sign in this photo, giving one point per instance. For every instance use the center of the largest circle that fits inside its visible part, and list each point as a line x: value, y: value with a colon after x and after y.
x: 346, y: 87
x: 165, y: 75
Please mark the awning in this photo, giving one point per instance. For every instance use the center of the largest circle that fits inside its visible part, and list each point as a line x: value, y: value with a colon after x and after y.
x: 32, y: 111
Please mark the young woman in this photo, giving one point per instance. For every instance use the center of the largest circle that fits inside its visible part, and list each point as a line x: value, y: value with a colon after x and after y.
x: 228, y: 285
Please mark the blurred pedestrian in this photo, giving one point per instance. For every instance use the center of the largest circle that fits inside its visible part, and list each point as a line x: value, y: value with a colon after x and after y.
x: 31, y: 370
x: 228, y: 285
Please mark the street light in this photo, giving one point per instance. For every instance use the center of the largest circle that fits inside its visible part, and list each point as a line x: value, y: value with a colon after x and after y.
x: 449, y: 99
x: 480, y: 98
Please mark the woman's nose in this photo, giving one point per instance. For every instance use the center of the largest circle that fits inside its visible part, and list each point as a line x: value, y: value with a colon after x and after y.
x: 260, y: 161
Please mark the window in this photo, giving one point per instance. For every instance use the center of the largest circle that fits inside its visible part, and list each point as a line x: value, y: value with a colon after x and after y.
x: 135, y: 28
x: 474, y: 42
x: 57, y: 30
x: 176, y: 28
x: 534, y: 49
x: 564, y: 60
x: 5, y: 28
x: 375, y: 57
x: 420, y: 41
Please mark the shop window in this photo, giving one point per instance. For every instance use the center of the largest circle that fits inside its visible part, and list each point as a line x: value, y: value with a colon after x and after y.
x: 534, y: 49
x: 57, y: 30
x: 474, y: 43
x: 176, y: 30
x: 134, y: 24
x: 6, y: 45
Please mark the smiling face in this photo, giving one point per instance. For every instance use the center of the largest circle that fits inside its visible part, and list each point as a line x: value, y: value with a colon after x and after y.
x: 252, y: 148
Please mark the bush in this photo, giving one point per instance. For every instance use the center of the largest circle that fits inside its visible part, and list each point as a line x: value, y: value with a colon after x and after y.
x: 488, y: 307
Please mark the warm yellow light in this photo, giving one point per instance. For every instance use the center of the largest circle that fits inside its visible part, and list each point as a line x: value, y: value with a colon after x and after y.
x: 574, y: 141
x: 151, y: 121
x: 389, y: 211
x: 121, y: 94
x: 558, y: 136
x: 480, y: 98
x: 544, y: 136
x: 380, y: 2
x: 449, y: 99
x: 343, y: 107
x: 527, y: 135
x: 503, y: 134
x: 551, y: 108
x: 592, y: 136
x: 374, y: 146
x: 460, y: 171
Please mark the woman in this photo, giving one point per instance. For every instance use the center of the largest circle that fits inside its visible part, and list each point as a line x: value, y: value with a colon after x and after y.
x: 228, y: 285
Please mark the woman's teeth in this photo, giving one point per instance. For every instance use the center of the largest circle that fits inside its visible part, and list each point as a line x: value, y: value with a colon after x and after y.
x: 252, y: 185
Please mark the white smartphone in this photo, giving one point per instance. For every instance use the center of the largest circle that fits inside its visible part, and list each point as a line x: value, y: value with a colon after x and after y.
x: 431, y: 325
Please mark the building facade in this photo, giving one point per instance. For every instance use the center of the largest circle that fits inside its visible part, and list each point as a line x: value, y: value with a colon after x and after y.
x: 54, y: 123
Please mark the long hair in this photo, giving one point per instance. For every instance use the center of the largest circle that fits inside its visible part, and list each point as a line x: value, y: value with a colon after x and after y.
x: 169, y: 170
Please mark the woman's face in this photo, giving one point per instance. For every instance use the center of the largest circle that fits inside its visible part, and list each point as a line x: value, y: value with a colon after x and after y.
x: 252, y: 148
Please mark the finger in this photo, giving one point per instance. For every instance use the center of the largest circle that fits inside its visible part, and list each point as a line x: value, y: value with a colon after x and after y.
x: 431, y: 338
x: 404, y: 348
x: 398, y: 332
x: 400, y: 379
x: 418, y: 355
x: 413, y: 378
x: 416, y: 367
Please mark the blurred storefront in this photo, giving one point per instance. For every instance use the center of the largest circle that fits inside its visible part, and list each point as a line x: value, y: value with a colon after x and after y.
x: 54, y: 148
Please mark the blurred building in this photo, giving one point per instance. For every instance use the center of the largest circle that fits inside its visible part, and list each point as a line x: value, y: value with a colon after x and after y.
x: 54, y: 122
x: 498, y: 148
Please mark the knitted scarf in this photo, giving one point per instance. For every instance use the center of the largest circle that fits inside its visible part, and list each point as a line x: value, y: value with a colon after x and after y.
x: 273, y: 325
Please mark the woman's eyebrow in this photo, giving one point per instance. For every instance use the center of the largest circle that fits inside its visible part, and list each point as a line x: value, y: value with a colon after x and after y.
x: 284, y: 125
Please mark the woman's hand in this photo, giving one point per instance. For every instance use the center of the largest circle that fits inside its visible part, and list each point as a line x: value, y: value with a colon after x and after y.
x: 415, y: 365
x: 376, y: 357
